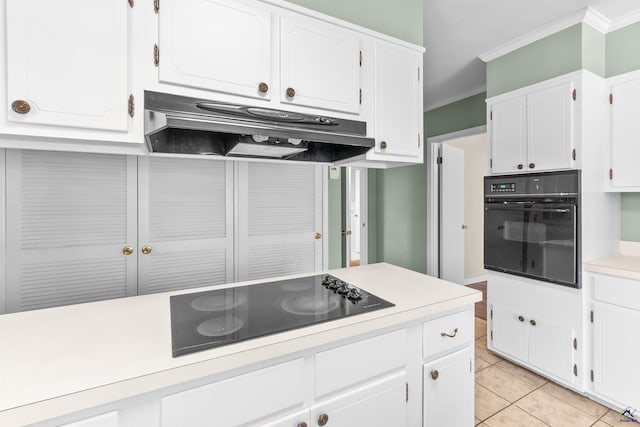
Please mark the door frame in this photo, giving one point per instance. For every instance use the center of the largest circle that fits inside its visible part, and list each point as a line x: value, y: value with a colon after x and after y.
x: 433, y: 193
x: 364, y: 215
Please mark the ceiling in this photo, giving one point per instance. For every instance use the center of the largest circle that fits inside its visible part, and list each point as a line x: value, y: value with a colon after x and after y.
x: 456, y: 32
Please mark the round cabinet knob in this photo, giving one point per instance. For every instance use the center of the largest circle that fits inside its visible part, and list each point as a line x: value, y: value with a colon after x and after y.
x: 465, y: 226
x: 263, y: 87
x: 532, y: 165
x: 127, y: 250
x: 303, y: 424
x: 435, y: 374
x: 291, y: 92
x: 317, y: 236
x: 520, y: 166
x: 383, y: 145
x: 20, y: 106
x: 146, y: 250
x: 520, y: 318
x: 533, y: 322
x: 323, y: 419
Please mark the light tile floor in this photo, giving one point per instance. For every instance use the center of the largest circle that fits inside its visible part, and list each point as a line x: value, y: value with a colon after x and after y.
x: 510, y: 396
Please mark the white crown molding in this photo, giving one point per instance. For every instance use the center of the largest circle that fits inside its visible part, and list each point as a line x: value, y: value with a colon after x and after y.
x: 628, y: 19
x: 459, y: 97
x: 597, y: 20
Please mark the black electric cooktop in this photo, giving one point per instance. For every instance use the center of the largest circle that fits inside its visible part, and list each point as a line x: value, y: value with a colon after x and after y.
x: 210, y: 319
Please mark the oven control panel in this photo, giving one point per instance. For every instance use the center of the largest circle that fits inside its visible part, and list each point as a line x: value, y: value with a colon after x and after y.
x: 509, y: 187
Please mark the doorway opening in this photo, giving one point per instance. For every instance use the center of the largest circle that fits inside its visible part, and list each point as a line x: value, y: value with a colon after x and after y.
x: 355, y: 228
x: 457, y: 164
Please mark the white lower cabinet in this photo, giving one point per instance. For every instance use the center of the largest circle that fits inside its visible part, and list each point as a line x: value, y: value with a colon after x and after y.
x: 110, y: 419
x: 616, y: 348
x: 298, y: 419
x: 537, y: 325
x: 380, y: 404
x: 448, y: 398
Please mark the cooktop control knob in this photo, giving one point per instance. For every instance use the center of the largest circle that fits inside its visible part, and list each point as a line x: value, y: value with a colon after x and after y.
x: 354, y: 295
x: 344, y: 289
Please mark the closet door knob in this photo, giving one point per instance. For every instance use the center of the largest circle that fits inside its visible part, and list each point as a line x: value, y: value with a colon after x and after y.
x: 127, y: 250
x: 146, y: 250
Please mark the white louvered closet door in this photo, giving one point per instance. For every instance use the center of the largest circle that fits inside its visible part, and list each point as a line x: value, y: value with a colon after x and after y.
x: 186, y: 218
x: 69, y: 216
x: 279, y: 212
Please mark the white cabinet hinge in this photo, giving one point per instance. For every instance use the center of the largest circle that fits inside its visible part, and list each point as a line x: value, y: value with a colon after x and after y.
x: 492, y: 308
x: 132, y: 105
x: 491, y: 335
x: 592, y: 375
x: 418, y: 140
x: 591, y: 314
x: 611, y: 98
x: 156, y: 6
x: 574, y: 94
x: 156, y: 55
x: 491, y: 166
x: 439, y: 160
x: 491, y: 115
x: 575, y: 370
x: 361, y: 58
x: 610, y: 179
x: 406, y: 396
x: 418, y: 73
x: 574, y: 154
x: 575, y: 343
x: 360, y: 96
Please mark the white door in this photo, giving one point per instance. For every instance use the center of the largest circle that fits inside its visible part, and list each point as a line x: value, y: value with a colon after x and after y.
x: 616, y: 349
x: 280, y: 219
x: 66, y: 70
x: 508, y: 124
x: 220, y: 45
x: 356, y: 216
x: 185, y: 223
x: 452, y: 214
x: 381, y: 404
x: 550, y: 128
x: 448, y: 391
x: 70, y: 219
x: 398, y: 101
x: 625, y: 134
x: 319, y: 65
x: 550, y: 348
x: 509, y: 329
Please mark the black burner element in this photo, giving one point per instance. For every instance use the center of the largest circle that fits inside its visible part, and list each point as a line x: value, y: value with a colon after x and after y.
x: 210, y: 319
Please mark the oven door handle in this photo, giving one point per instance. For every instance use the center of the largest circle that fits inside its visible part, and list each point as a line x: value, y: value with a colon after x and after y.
x: 522, y: 208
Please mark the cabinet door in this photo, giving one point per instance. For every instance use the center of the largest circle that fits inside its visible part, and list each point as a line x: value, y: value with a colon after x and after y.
x: 69, y: 217
x: 509, y: 136
x: 397, y: 101
x: 109, y: 419
x: 509, y: 332
x: 550, y: 348
x: 298, y: 419
x: 550, y: 128
x: 616, y: 352
x: 186, y: 220
x: 625, y: 134
x: 70, y: 71
x: 220, y: 45
x: 320, y: 63
x: 279, y: 214
x: 448, y: 391
x: 381, y: 404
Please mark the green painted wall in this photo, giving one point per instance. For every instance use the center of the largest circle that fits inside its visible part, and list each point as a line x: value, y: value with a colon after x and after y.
x: 402, y: 192
x: 399, y: 18
x: 572, y: 49
x: 623, y: 56
x: 622, y: 50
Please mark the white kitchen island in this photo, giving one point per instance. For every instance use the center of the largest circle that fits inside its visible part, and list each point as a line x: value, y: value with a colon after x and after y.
x: 110, y: 364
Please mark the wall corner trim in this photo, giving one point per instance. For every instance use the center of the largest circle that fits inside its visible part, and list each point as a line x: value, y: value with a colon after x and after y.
x: 586, y: 15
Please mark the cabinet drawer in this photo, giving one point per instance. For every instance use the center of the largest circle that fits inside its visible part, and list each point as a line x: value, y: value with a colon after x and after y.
x: 617, y: 290
x: 459, y: 325
x: 353, y: 363
x: 110, y: 419
x: 261, y: 393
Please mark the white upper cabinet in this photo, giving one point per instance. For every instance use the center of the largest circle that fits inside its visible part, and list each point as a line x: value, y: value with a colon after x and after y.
x: 532, y: 129
x: 219, y: 45
x: 625, y: 133
x: 319, y: 65
x: 67, y: 63
x: 398, y: 104
x: 550, y: 130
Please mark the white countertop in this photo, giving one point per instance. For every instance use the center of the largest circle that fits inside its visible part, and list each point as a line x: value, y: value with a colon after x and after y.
x: 60, y: 360
x: 626, y: 264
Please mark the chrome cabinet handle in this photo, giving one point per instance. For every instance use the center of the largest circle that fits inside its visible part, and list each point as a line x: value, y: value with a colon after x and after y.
x: 444, y: 334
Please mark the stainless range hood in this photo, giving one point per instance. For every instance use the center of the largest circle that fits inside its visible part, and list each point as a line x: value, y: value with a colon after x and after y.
x: 180, y: 125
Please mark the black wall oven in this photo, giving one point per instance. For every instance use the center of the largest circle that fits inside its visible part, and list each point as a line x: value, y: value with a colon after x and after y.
x: 531, y: 226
